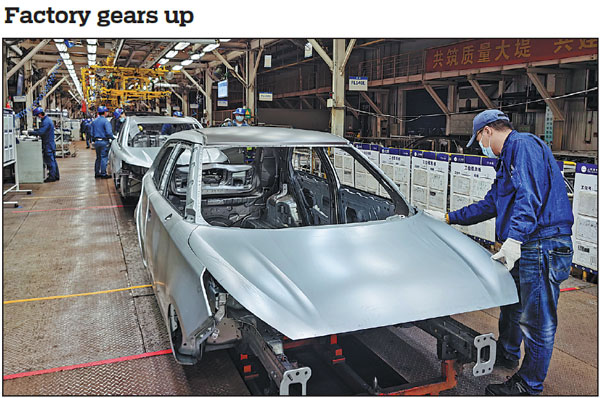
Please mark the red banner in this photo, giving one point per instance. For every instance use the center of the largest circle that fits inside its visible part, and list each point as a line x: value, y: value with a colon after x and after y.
x: 496, y: 52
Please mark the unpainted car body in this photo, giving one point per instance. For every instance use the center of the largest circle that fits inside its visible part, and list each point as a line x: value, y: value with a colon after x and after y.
x: 267, y: 237
x: 134, y: 149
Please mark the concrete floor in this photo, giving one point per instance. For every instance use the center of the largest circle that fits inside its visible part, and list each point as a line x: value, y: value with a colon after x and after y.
x: 76, y: 236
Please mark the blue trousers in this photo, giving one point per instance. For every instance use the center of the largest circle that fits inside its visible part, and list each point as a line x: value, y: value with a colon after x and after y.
x: 87, y: 139
x: 543, y: 265
x: 101, y: 157
x: 49, y: 158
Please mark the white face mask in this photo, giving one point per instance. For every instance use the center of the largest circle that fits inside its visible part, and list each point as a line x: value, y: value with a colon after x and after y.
x: 239, y: 118
x: 487, y: 150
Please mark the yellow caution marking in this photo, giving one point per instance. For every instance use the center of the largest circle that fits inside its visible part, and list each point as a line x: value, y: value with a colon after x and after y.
x: 75, y: 295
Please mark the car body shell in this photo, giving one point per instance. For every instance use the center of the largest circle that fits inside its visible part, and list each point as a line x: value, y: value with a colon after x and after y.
x: 130, y: 163
x: 313, y: 280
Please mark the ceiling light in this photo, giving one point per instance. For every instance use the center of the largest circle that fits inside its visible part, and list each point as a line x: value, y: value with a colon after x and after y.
x: 177, y: 67
x: 196, y: 57
x: 61, y: 47
x: 163, y: 61
x: 186, y: 62
x: 91, y: 49
x: 92, y: 57
x: 65, y: 56
x: 92, y: 42
x: 171, y: 54
x: 59, y: 40
x: 224, y: 40
x: 182, y: 45
x: 211, y: 47
x: 68, y: 62
x: 90, y: 63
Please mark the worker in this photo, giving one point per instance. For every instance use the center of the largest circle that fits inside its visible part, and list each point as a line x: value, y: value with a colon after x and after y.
x: 118, y: 120
x: 238, y: 118
x: 84, y: 127
x: 103, y: 136
x: 46, y: 133
x: 534, y: 221
x: 167, y: 128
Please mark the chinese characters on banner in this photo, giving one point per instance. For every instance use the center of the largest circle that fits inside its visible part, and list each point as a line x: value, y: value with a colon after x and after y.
x: 496, y: 52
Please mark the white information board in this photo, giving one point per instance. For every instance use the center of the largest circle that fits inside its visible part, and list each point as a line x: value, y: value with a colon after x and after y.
x: 362, y: 179
x: 344, y: 166
x: 395, y: 163
x: 429, y: 182
x: 471, y: 177
x: 585, y: 212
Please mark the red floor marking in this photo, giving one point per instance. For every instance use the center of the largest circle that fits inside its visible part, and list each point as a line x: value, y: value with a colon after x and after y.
x: 568, y: 289
x: 86, y: 365
x: 70, y: 208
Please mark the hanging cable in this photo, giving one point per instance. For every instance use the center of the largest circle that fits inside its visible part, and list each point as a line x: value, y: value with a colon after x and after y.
x: 416, y: 117
x: 47, y: 88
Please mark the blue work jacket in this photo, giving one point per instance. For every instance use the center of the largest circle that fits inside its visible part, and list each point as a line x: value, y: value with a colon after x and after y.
x: 46, y: 133
x: 101, y: 128
x: 528, y: 197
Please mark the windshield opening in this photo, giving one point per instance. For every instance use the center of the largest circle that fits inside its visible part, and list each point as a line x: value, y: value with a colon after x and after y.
x: 149, y: 135
x: 269, y: 188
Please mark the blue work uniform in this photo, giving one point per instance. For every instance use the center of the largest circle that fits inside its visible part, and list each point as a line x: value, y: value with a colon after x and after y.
x: 46, y: 133
x: 102, y: 134
x: 167, y: 129
x: 232, y: 123
x: 529, y: 200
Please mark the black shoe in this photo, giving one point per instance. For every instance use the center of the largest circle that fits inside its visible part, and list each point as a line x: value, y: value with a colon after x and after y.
x: 513, y: 386
x: 97, y: 176
x: 105, y: 176
x: 50, y: 179
x: 87, y: 146
x: 502, y: 362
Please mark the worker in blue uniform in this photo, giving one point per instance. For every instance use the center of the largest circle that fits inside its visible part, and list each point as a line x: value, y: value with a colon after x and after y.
x: 118, y: 120
x: 46, y: 133
x: 533, y: 220
x: 85, y: 130
x: 238, y: 119
x: 103, y: 136
x: 168, y: 128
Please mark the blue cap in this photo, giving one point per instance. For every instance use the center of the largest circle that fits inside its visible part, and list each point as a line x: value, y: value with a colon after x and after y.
x: 483, y: 119
x: 118, y: 112
x: 177, y: 114
x: 102, y: 109
x: 239, y: 111
x: 37, y: 110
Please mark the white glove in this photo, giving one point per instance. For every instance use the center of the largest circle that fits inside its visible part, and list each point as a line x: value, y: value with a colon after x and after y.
x: 510, y: 252
x: 438, y: 215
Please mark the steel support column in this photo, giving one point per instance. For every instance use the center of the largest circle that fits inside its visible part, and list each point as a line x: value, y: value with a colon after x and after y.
x: 338, y: 87
x: 208, y: 105
x: 452, y: 105
x: 28, y: 92
x: 557, y: 111
x: 27, y: 58
x: 401, y: 111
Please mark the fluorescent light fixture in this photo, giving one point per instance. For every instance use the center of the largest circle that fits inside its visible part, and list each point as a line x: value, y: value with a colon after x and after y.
x: 61, y: 47
x: 211, y: 47
x: 69, y: 67
x: 59, y: 40
x: 171, y: 54
x: 177, y: 67
x: 180, y: 46
x: 92, y: 57
x: 68, y: 62
x: 196, y: 57
x: 65, y: 56
x: 163, y: 61
x: 224, y: 40
x: 92, y: 42
x: 186, y: 62
x: 91, y: 49
x: 90, y: 63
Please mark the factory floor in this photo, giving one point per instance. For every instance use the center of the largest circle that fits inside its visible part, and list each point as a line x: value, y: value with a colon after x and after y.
x: 75, y: 236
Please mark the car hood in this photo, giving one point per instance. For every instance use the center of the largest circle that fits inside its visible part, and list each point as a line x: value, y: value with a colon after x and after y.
x: 314, y: 281
x: 142, y: 157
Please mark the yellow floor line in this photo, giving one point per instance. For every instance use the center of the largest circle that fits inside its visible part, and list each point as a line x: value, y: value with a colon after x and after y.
x: 75, y: 295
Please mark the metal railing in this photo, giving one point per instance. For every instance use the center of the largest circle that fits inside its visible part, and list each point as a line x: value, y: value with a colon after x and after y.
x: 390, y: 67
